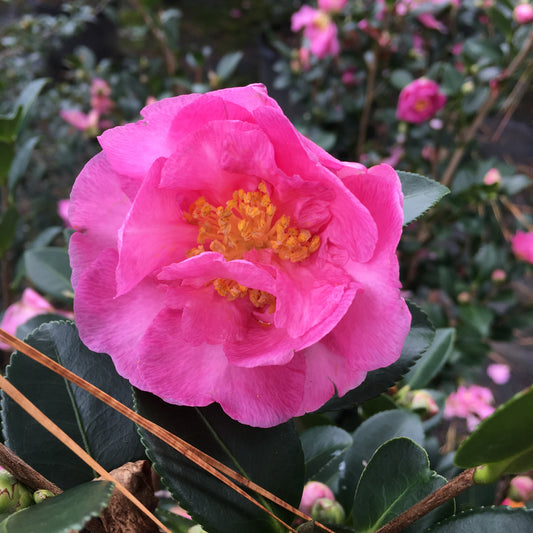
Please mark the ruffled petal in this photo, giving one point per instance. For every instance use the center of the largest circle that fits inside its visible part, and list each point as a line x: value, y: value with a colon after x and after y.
x: 114, y: 325
x: 380, y: 191
x: 154, y: 233
x: 97, y: 210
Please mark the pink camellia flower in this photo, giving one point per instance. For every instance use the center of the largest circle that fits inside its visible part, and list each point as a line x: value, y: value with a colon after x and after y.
x: 419, y: 101
x: 31, y: 304
x: 499, y: 373
x: 522, y: 245
x: 473, y: 403
x: 522, y: 488
x: 498, y: 275
x: 81, y: 120
x: 319, y: 30
x: 331, y: 5
x: 523, y: 13
x: 313, y: 491
x: 221, y: 256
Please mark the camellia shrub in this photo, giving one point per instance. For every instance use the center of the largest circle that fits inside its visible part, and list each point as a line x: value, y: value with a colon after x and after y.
x: 244, y: 322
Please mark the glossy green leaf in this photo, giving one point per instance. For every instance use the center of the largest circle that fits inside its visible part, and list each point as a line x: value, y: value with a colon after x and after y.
x: 7, y: 154
x: 272, y: 457
x: 487, y: 520
x: 227, y: 65
x: 107, y: 435
x: 9, y: 125
x: 8, y: 226
x: 49, y: 269
x: 323, y: 447
x: 367, y: 438
x: 378, y: 381
x: 69, y: 511
x: 432, y: 360
x: 420, y: 194
x: 501, y: 440
x: 24, y: 329
x: 20, y: 163
x: 27, y: 98
x: 396, y: 478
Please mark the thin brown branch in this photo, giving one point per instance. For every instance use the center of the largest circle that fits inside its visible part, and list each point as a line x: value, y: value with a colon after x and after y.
x: 24, y: 472
x: 458, y: 484
x: 203, y: 460
x: 483, y: 111
x: 369, y: 98
x: 515, y: 210
x: 53, y: 428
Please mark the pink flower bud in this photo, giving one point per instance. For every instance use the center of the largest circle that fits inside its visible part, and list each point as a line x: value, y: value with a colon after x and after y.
x: 498, y: 275
x: 523, y: 13
x: 522, y: 488
x: 313, y: 491
x: 522, y: 244
x: 499, y: 373
x: 492, y: 176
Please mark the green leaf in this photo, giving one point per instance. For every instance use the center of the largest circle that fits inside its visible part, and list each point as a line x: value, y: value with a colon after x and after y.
x: 420, y: 194
x: 26, y: 100
x: 8, y: 226
x: 433, y: 359
x: 367, y: 438
x: 477, y: 317
x: 20, y: 163
x: 9, y: 125
x: 49, y: 269
x: 323, y: 447
x: 24, y: 329
x: 487, y: 520
x: 271, y: 457
x: 396, y: 478
x: 377, y: 381
x: 7, y: 154
x: 68, y: 511
x: 399, y: 78
x: 107, y: 435
x: 227, y: 65
x: 501, y: 440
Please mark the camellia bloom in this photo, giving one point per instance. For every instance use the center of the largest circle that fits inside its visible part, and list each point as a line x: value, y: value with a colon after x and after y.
x: 220, y: 256
x: 473, y: 403
x: 319, y: 30
x: 499, y: 373
x: 419, y: 101
x: 31, y: 304
x: 523, y: 13
x: 100, y: 91
x: 331, y: 5
x: 80, y: 120
x: 522, y: 244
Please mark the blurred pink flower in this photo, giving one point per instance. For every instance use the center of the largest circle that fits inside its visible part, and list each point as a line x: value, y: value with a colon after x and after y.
x: 522, y: 488
x: 523, y: 13
x: 498, y: 275
x: 319, y: 30
x: 267, y: 284
x: 100, y: 91
x: 62, y: 211
x: 419, y: 101
x: 499, y: 373
x: 473, y: 403
x: 31, y: 304
x: 348, y: 77
x: 313, y: 491
x: 331, y: 5
x: 511, y: 503
x: 522, y: 245
x: 457, y: 49
x: 395, y: 155
x: 429, y: 21
x: 492, y: 176
x: 80, y: 120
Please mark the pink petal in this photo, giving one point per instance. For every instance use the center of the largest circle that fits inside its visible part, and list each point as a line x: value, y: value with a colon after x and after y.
x: 97, y: 210
x: 154, y: 233
x: 303, y: 17
x: 114, y: 325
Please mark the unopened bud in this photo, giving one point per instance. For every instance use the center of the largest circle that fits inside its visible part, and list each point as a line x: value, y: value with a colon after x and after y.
x: 13, y: 494
x: 467, y: 87
x: 492, y: 176
x: 326, y: 510
x: 196, y: 529
x: 313, y: 491
x: 42, y: 494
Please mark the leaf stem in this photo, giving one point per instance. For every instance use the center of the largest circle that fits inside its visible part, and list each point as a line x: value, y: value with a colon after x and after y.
x: 458, y: 484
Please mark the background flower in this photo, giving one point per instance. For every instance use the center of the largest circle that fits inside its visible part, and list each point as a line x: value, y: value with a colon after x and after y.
x: 522, y: 245
x: 419, y: 101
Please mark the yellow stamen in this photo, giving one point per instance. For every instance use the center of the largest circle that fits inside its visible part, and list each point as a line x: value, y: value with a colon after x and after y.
x: 247, y: 221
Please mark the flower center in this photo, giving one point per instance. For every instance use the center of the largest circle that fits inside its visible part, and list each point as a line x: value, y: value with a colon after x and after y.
x: 421, y: 105
x: 321, y: 21
x: 247, y: 221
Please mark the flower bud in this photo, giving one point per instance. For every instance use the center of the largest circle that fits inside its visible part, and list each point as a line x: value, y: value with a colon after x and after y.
x: 417, y: 400
x: 523, y: 13
x: 521, y: 488
x: 326, y: 510
x: 196, y: 529
x: 498, y: 275
x: 13, y: 494
x: 313, y: 491
x: 42, y: 494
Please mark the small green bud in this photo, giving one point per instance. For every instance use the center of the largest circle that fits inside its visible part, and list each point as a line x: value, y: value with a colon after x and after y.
x: 13, y: 494
x: 196, y: 529
x: 41, y: 494
x: 326, y: 510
